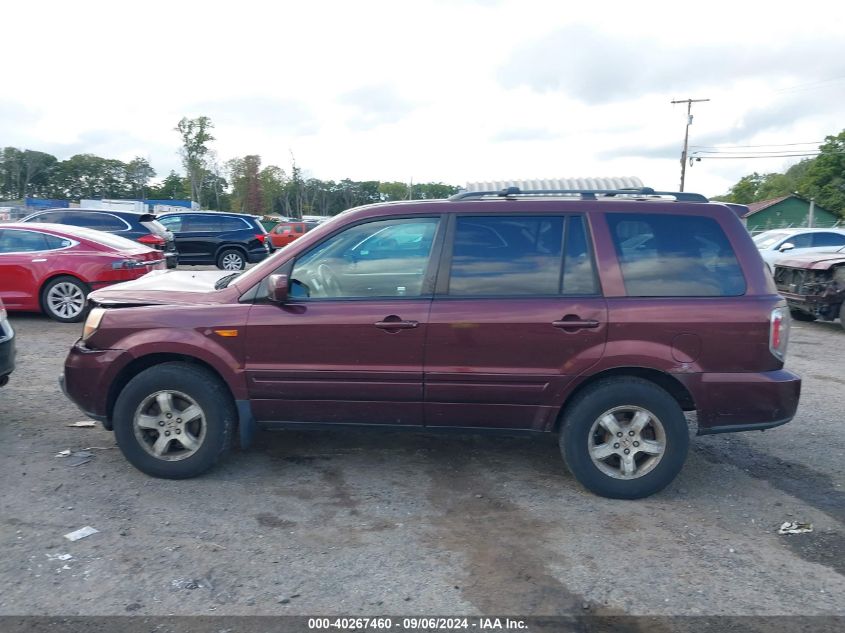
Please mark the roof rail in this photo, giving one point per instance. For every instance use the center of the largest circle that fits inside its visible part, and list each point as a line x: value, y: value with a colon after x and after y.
x: 512, y: 193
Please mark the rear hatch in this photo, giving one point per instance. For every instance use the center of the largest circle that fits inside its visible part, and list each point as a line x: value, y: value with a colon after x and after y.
x: 157, y: 229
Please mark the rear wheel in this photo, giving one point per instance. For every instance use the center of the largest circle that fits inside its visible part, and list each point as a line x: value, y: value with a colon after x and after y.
x: 174, y: 420
x: 798, y: 315
x: 65, y: 299
x: 624, y: 438
x: 231, y: 259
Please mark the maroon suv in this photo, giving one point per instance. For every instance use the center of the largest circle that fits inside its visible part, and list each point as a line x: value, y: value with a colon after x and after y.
x: 599, y: 316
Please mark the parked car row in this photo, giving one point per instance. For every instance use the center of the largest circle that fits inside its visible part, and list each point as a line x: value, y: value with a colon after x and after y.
x: 227, y: 240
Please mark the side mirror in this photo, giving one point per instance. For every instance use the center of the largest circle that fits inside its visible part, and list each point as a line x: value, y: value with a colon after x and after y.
x: 786, y: 246
x: 277, y: 288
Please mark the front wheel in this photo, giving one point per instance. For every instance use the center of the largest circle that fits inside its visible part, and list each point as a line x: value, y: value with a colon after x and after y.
x: 624, y: 438
x: 174, y: 420
x: 231, y: 259
x: 65, y: 299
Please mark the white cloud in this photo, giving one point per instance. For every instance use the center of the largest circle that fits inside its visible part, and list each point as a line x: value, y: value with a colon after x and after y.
x: 431, y: 90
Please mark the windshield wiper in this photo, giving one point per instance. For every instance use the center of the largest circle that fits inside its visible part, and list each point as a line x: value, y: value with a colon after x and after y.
x: 224, y: 281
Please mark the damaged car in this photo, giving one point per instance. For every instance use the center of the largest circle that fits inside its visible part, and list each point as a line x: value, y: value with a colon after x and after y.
x: 814, y: 286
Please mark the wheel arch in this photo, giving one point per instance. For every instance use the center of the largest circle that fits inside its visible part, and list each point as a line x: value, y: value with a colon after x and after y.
x: 136, y: 366
x: 667, y: 382
x: 230, y: 246
x: 55, y: 275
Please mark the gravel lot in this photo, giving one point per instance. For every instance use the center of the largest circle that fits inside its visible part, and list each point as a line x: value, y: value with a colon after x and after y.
x: 389, y: 523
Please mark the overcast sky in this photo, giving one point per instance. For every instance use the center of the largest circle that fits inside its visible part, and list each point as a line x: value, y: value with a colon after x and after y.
x: 430, y: 90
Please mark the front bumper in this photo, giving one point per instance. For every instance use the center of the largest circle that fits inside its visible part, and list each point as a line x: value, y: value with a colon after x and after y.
x: 88, y: 376
x: 732, y: 402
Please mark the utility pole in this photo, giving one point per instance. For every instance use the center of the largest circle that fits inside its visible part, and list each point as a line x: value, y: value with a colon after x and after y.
x: 689, y: 103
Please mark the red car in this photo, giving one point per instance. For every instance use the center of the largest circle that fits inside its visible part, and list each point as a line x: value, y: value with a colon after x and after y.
x: 52, y: 268
x: 286, y: 232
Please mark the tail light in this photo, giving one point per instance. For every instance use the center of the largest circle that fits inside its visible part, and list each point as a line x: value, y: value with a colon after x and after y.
x: 152, y: 240
x: 128, y: 264
x: 779, y: 323
x: 261, y: 237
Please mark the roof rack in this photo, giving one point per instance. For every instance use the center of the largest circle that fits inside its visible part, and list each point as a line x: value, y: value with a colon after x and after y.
x: 511, y: 193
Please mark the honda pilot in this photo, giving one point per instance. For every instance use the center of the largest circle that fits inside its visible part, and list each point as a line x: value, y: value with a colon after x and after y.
x: 599, y: 316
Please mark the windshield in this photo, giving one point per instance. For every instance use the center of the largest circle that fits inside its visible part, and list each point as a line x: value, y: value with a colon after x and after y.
x: 768, y: 239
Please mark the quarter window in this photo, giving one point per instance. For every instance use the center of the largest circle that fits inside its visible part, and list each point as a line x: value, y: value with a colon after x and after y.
x: 388, y: 258
x: 675, y: 256
x: 232, y: 224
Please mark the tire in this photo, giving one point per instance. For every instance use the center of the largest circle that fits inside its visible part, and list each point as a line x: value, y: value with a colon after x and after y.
x: 65, y: 299
x: 231, y: 259
x: 140, y: 420
x: 842, y: 315
x: 798, y: 315
x: 620, y: 401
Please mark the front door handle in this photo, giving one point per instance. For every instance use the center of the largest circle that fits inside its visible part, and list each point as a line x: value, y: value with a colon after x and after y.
x: 393, y: 322
x: 569, y: 323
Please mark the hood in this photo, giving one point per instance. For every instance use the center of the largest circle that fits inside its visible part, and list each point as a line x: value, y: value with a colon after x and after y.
x: 158, y: 287
x: 817, y: 261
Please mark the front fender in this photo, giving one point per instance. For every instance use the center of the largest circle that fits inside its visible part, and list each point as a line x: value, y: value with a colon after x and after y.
x: 219, y: 352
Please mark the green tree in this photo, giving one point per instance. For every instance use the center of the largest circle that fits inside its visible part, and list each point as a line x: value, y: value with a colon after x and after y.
x: 139, y: 172
x: 90, y: 176
x: 273, y: 183
x: 173, y: 187
x: 196, y: 135
x: 25, y: 173
x: 393, y: 191
x: 824, y: 178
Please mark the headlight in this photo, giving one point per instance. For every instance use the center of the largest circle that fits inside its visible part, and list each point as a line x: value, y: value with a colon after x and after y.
x: 92, y: 322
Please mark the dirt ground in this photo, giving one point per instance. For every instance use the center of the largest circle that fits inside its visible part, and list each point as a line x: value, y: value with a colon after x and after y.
x: 352, y: 522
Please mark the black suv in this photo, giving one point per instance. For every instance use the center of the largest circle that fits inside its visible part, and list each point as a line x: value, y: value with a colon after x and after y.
x: 226, y: 240
x: 133, y: 225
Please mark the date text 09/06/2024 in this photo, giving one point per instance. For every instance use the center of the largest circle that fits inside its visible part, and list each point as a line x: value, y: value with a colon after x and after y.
x: 417, y: 623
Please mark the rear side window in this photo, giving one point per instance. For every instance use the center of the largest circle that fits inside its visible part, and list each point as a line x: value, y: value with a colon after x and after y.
x: 675, y: 256
x: 507, y: 256
x: 172, y: 222
x: 197, y: 223
x: 51, y: 217
x: 22, y: 241
x: 99, y: 221
x: 828, y: 239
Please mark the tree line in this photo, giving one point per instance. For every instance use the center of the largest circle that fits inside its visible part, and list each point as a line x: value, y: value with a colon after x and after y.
x: 240, y: 184
x: 821, y: 177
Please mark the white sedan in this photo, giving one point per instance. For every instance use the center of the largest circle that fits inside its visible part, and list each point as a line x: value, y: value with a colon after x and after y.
x: 778, y: 243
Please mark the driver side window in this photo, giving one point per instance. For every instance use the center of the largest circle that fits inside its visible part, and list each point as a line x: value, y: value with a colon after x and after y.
x: 388, y: 258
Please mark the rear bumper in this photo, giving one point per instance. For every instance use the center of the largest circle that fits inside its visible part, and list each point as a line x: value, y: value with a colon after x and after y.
x: 729, y: 403
x: 253, y: 257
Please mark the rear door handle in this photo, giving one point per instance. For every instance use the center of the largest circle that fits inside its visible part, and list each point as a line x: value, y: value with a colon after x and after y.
x: 576, y: 324
x: 396, y: 325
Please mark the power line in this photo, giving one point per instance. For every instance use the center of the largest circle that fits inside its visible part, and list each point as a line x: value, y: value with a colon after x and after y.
x: 767, y: 145
x: 759, y: 156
